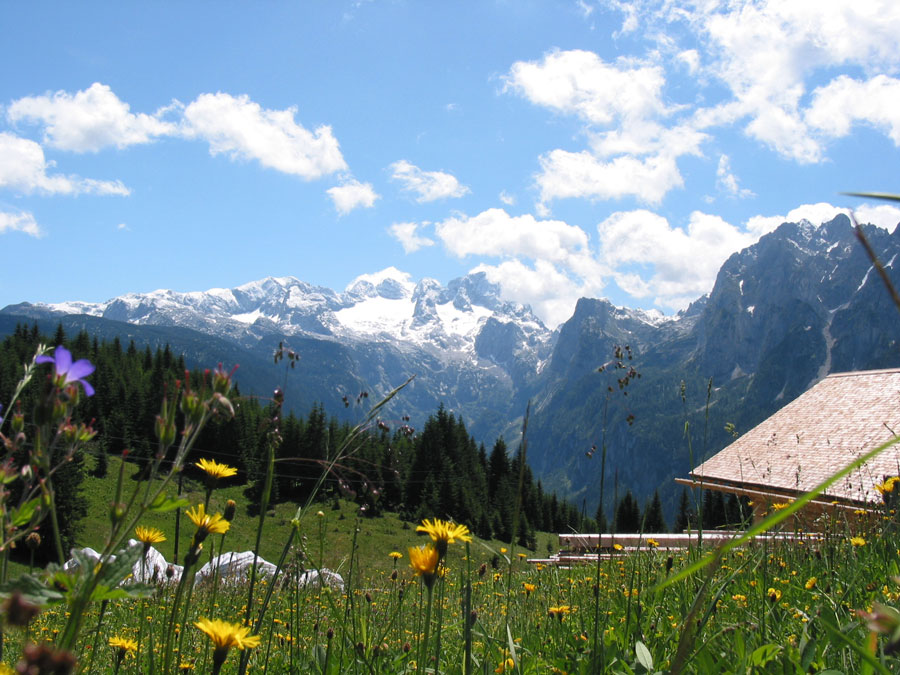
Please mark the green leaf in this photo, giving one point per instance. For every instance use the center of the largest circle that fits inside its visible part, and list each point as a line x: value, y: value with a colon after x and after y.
x: 319, y: 654
x: 164, y: 503
x: 761, y: 656
x: 33, y: 590
x: 23, y: 515
x: 114, y: 572
x: 643, y: 656
x: 875, y: 195
x: 512, y: 646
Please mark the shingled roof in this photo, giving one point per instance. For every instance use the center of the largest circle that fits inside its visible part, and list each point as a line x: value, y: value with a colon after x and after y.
x: 822, y: 431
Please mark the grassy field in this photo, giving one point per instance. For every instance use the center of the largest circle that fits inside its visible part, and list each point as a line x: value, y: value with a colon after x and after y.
x: 375, y: 539
x: 803, y: 607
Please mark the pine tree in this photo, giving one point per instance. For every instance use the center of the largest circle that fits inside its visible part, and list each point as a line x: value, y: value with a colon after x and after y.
x: 654, y: 521
x: 628, y: 515
x: 685, y: 518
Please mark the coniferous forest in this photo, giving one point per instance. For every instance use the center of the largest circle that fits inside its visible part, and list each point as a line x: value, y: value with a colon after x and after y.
x: 438, y: 469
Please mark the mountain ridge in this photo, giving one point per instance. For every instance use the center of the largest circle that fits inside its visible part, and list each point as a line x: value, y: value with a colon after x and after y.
x: 784, y: 312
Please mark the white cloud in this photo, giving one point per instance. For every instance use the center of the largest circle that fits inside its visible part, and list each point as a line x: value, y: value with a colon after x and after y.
x: 581, y: 174
x: 884, y: 216
x: 681, y: 263
x: 496, y: 233
x: 690, y: 58
x: 844, y: 100
x: 818, y: 213
x: 764, y: 51
x: 548, y: 289
x: 428, y: 185
x: 407, y: 235
x: 19, y: 222
x: 23, y: 167
x: 351, y: 195
x: 621, y: 104
x: 581, y: 83
x: 88, y: 120
x: 240, y: 128
x: 727, y: 181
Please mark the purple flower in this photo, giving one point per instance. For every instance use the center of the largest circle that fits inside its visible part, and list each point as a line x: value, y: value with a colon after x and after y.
x: 68, y: 372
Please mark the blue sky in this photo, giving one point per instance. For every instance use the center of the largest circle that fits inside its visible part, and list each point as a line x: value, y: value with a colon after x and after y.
x: 605, y: 149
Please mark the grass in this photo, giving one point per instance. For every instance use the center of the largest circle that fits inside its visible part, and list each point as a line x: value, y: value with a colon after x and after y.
x: 376, y: 538
x: 787, y: 609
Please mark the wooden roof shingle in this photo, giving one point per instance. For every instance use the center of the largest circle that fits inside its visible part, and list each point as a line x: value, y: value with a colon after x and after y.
x: 836, y: 421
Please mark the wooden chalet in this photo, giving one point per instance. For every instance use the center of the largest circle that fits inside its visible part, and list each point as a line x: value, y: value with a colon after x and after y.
x: 835, y: 422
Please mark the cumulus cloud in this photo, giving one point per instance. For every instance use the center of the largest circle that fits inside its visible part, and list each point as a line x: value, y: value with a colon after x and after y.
x: 818, y: 213
x: 408, y: 236
x: 242, y: 129
x: 581, y: 174
x: 19, y: 222
x: 24, y: 168
x: 684, y: 261
x: 352, y: 194
x: 548, y: 289
x: 88, y: 120
x: 844, y: 101
x: 885, y: 216
x: 428, y: 185
x: 496, y: 233
x: 631, y: 153
x: 764, y: 52
x: 579, y: 82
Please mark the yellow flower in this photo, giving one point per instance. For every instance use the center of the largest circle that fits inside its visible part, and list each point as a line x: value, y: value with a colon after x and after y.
x: 774, y: 594
x: 780, y: 506
x: 424, y: 560
x: 215, y: 470
x: 507, y: 664
x: 207, y: 524
x: 857, y: 541
x: 887, y: 486
x: 224, y: 636
x: 529, y: 588
x: 559, y: 612
x: 502, y: 550
x: 149, y: 535
x: 810, y: 583
x: 652, y: 543
x: 444, y: 532
x: 124, y: 645
x: 396, y: 555
x: 618, y: 547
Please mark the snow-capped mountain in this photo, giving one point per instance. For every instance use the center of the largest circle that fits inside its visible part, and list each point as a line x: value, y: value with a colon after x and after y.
x: 802, y: 302
x: 463, y: 341
x: 385, y: 306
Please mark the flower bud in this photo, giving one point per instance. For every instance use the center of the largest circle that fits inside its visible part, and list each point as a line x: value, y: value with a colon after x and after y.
x: 230, y: 509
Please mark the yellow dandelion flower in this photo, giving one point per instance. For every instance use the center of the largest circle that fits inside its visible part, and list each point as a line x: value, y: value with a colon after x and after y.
x: 443, y: 533
x: 780, y: 506
x: 507, y: 664
x: 529, y: 588
x: 887, y: 487
x: 503, y: 550
x: 810, y: 583
x: 224, y: 636
x: 215, y: 470
x: 124, y: 645
x: 396, y: 555
x: 206, y: 523
x: 774, y: 594
x: 559, y: 612
x: 618, y: 547
x: 652, y: 543
x: 149, y: 535
x: 424, y: 560
x: 857, y: 541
